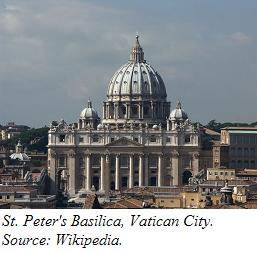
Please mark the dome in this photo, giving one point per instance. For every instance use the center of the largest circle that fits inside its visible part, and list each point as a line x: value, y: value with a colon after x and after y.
x: 89, y: 112
x: 136, y: 79
x: 178, y: 113
x: 99, y: 127
x: 19, y: 156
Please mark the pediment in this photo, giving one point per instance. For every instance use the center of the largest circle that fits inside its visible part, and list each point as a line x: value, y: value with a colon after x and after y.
x: 124, y: 142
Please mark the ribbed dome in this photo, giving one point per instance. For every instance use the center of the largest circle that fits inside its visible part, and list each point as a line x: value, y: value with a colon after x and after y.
x: 89, y: 112
x: 136, y: 78
x: 178, y: 113
x: 19, y: 154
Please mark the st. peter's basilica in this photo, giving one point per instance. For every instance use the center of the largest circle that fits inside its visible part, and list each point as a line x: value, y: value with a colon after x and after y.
x: 138, y: 142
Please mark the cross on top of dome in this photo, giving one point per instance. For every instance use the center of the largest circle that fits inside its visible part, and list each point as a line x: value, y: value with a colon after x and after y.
x: 137, y: 53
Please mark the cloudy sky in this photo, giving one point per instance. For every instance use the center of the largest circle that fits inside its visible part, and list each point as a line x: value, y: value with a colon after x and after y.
x: 55, y: 54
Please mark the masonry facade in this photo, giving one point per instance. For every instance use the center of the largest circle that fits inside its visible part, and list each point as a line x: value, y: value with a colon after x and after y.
x: 138, y: 142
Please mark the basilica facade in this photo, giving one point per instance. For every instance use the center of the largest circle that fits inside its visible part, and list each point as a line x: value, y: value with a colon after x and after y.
x: 138, y: 142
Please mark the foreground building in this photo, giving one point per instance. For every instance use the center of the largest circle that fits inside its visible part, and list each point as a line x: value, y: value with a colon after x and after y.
x: 237, y: 148
x: 139, y: 141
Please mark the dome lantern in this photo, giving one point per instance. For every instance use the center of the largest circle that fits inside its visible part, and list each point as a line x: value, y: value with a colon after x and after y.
x: 137, y: 53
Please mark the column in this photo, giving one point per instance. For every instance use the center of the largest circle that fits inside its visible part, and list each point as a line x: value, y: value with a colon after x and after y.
x: 107, y: 174
x: 107, y: 111
x: 116, y: 112
x: 88, y: 173
x: 102, y: 174
x: 175, y: 169
x: 160, y: 170
x: 152, y: 109
x: 72, y: 173
x: 104, y: 111
x: 117, y: 172
x: 127, y: 110
x: 140, y: 172
x: 140, y: 111
x: 195, y: 163
x: 53, y: 174
x: 146, y: 170
x: 131, y: 171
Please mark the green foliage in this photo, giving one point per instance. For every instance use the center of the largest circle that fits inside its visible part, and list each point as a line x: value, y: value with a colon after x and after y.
x: 33, y: 139
x: 217, y: 126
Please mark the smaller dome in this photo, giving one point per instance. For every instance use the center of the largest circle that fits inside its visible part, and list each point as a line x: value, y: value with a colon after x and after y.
x: 178, y: 113
x: 89, y: 112
x: 20, y: 157
x: 19, y: 154
x: 155, y: 127
x: 100, y: 127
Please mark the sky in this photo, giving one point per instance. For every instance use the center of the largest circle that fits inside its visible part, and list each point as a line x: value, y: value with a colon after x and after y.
x: 56, y: 54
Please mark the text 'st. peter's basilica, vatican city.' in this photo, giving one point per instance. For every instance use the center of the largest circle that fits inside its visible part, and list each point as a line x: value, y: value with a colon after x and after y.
x: 140, y: 141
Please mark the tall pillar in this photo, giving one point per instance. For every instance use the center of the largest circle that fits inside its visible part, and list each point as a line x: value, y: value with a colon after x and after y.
x: 146, y: 170
x: 127, y: 110
x: 152, y: 109
x: 140, y: 111
x: 116, y: 111
x: 88, y: 173
x: 107, y: 111
x: 160, y: 170
x: 72, y: 173
x: 53, y: 173
x: 131, y: 171
x: 117, y: 172
x: 175, y: 168
x: 107, y: 174
x: 102, y: 174
x: 140, y: 172
x: 195, y: 163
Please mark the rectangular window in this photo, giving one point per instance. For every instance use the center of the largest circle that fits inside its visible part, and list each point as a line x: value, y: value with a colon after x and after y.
x: 124, y: 161
x: 152, y: 139
x: 112, y: 139
x: 153, y: 161
x: 61, y: 161
x: 1, y: 197
x: 95, y: 160
x: 8, y: 197
x: 95, y: 138
x: 136, y: 139
x: 81, y: 139
x: 62, y: 138
x: 187, y: 139
x: 168, y: 140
